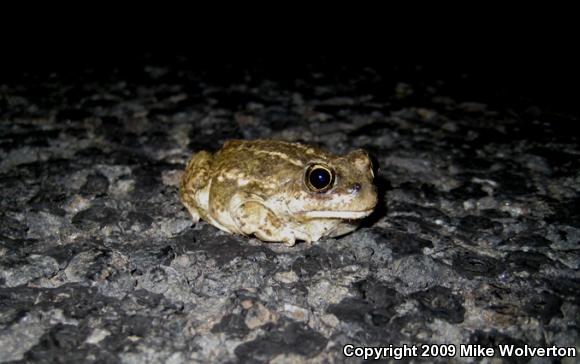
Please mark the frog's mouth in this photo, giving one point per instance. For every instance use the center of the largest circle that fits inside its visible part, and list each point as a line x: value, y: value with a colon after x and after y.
x: 338, y: 214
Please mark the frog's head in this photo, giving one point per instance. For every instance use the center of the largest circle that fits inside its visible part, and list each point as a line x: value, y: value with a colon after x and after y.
x: 339, y: 187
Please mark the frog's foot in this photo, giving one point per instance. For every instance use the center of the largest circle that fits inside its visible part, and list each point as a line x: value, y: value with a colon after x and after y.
x: 194, y: 213
x: 291, y: 242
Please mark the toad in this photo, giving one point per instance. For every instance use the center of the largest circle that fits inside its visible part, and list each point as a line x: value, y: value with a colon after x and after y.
x: 279, y: 191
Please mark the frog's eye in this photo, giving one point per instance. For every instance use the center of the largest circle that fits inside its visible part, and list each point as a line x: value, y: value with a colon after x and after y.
x: 319, y: 178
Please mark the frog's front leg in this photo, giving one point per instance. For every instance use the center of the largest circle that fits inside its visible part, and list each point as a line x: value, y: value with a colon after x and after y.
x: 252, y: 217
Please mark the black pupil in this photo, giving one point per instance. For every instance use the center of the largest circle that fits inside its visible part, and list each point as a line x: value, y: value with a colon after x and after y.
x: 320, y: 178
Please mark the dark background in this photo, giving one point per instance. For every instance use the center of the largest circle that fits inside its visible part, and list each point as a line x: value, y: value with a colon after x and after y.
x: 504, y: 76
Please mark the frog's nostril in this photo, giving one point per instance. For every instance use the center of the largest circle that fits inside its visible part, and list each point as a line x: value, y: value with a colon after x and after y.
x: 355, y: 188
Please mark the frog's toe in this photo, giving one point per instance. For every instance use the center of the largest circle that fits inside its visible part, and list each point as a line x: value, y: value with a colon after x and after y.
x: 289, y: 242
x: 194, y: 214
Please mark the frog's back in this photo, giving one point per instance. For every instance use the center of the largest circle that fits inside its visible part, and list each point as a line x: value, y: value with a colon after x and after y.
x: 264, y: 158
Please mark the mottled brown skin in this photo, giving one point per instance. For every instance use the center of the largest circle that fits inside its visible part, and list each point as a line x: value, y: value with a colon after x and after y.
x: 259, y: 188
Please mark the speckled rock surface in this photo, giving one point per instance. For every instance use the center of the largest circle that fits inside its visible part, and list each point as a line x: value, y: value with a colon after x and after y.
x: 476, y: 239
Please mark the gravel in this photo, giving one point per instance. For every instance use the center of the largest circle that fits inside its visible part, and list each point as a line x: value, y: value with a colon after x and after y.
x: 476, y: 239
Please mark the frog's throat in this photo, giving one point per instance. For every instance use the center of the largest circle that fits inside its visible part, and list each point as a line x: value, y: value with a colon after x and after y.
x: 338, y: 214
